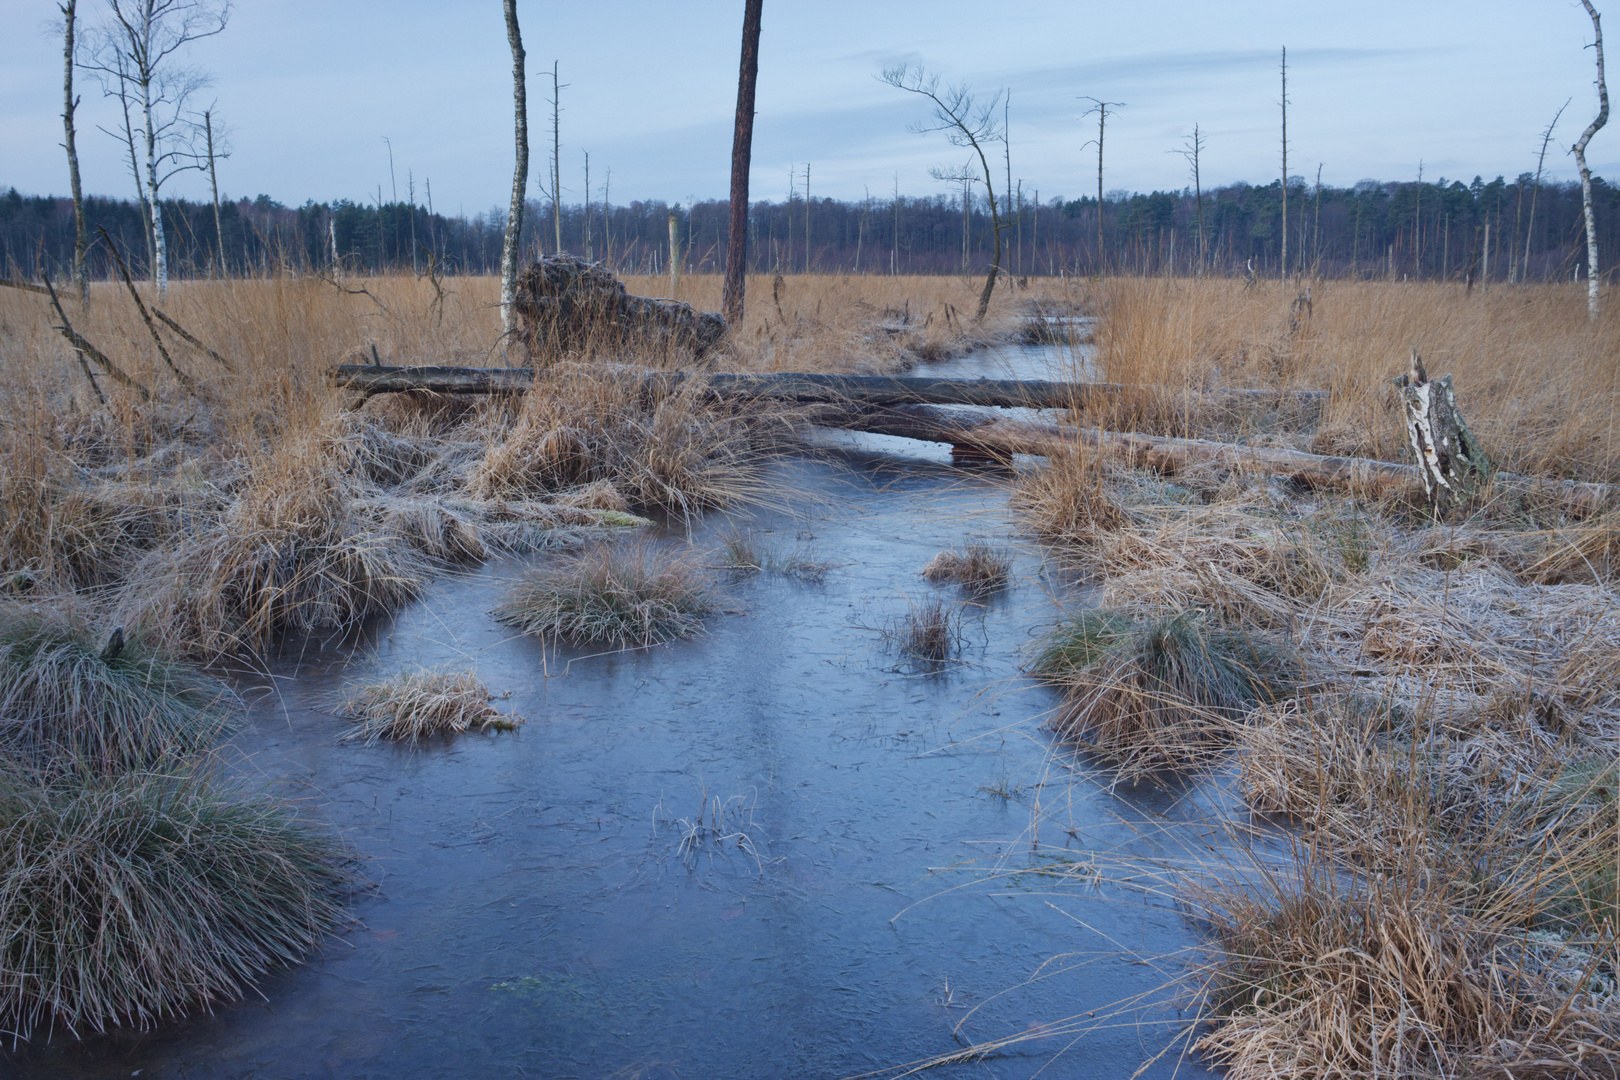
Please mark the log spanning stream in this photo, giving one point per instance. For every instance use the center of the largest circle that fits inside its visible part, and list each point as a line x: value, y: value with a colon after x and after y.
x: 772, y: 850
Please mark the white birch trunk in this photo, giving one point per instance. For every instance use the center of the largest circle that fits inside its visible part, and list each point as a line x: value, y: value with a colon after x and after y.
x: 160, y: 246
x: 520, y: 174
x: 1586, y: 174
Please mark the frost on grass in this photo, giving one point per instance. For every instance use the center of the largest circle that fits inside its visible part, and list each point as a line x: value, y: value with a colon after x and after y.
x: 624, y: 595
x: 131, y: 899
x: 69, y: 696
x: 412, y: 706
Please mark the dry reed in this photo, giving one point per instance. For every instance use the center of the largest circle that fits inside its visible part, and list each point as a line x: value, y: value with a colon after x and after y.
x: 626, y: 595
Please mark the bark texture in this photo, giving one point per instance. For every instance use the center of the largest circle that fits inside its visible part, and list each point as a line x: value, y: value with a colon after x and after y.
x: 565, y: 304
x: 809, y: 388
x: 1586, y: 174
x: 742, y: 149
x: 70, y: 104
x: 520, y: 173
x: 1450, y: 460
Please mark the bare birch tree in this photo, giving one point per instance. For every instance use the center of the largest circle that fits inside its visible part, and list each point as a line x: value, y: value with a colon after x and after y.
x: 70, y: 104
x: 138, y: 47
x: 1586, y: 174
x: 742, y: 151
x: 556, y: 157
x: 967, y: 122
x: 520, y: 172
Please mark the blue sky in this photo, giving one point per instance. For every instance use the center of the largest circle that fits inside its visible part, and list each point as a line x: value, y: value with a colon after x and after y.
x: 311, y: 87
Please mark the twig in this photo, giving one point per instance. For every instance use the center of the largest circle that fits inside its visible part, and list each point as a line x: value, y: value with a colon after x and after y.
x: 85, y: 349
x: 186, y: 336
x: 361, y: 291
x: 123, y: 272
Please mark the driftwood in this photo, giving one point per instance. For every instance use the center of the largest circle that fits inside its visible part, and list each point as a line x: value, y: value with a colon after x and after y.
x: 1450, y: 459
x: 566, y: 304
x: 802, y: 388
x: 985, y: 432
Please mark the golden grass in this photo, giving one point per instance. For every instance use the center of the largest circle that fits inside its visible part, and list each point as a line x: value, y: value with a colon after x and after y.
x: 977, y: 567
x: 413, y: 706
x: 1538, y: 382
x: 248, y: 501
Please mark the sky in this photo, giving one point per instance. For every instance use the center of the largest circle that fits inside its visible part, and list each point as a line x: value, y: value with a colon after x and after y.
x: 310, y: 89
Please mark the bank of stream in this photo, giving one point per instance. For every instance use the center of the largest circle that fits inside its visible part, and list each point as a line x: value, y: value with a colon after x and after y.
x: 777, y: 849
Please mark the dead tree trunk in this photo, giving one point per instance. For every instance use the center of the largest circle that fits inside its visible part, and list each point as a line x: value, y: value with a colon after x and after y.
x: 520, y: 174
x: 742, y: 149
x: 1586, y: 174
x: 1450, y: 459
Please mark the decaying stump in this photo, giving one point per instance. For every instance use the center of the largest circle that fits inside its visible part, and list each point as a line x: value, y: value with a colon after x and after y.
x: 565, y: 304
x: 1449, y: 458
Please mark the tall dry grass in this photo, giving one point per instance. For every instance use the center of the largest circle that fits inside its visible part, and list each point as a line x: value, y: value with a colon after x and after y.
x: 1538, y: 381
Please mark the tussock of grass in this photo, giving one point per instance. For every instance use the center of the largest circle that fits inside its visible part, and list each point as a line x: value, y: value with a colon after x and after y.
x: 412, y: 706
x: 1162, y: 693
x: 1065, y: 502
x: 1402, y: 975
x: 131, y: 900
x: 929, y: 634
x: 978, y: 568
x: 676, y: 450
x: 624, y: 595
x: 1076, y: 643
x: 67, y: 697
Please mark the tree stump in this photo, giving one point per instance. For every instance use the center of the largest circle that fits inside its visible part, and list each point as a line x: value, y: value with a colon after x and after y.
x: 1449, y: 458
x: 565, y: 304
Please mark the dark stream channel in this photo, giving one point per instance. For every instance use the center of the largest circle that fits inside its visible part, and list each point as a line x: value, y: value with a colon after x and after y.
x: 544, y: 907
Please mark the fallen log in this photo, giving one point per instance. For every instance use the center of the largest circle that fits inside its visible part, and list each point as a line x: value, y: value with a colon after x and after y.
x: 996, y: 435
x: 805, y: 388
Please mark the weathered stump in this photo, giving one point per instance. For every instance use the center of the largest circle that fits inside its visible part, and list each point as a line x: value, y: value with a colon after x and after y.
x: 565, y: 304
x: 1449, y: 458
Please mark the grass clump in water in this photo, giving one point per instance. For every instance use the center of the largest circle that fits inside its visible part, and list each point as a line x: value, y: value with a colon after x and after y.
x: 629, y: 595
x: 978, y: 568
x: 411, y: 706
x: 131, y: 899
x: 929, y: 633
x: 1161, y: 693
x: 112, y: 703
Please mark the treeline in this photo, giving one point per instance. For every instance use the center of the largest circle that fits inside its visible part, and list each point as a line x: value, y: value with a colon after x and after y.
x: 1503, y: 229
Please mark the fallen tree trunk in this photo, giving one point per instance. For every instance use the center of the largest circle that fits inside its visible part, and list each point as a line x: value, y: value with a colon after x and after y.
x: 855, y: 390
x: 1000, y: 436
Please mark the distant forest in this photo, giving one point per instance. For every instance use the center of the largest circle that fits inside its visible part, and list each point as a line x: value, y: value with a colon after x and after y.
x: 1442, y: 230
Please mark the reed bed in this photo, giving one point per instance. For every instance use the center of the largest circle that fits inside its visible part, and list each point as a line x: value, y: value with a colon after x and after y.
x: 1538, y: 381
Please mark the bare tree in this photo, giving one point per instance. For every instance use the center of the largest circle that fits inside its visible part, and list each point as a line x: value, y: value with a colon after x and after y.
x: 556, y: 157
x: 1101, y: 109
x: 742, y: 150
x: 520, y: 172
x: 1284, y: 265
x: 967, y: 122
x: 1586, y: 174
x: 1541, y: 160
x: 137, y: 48
x: 70, y: 104
x: 216, y: 148
x: 1193, y: 150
